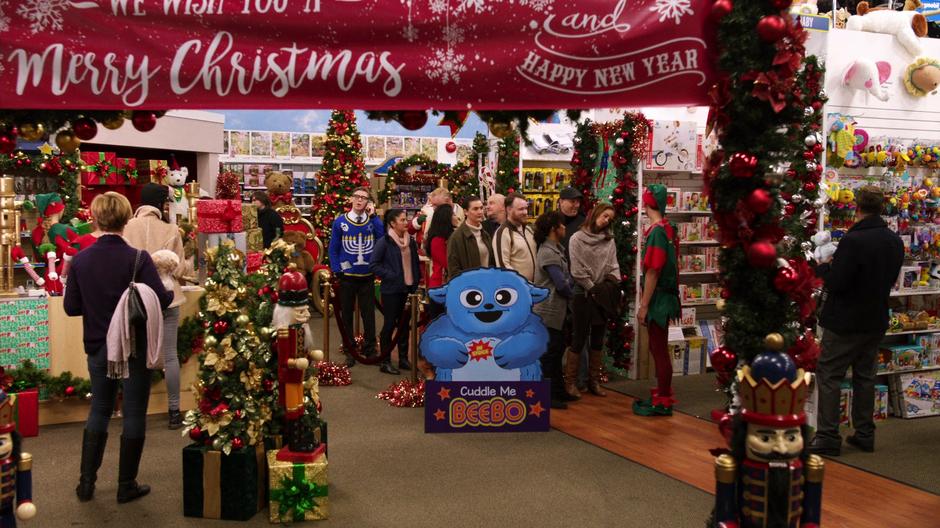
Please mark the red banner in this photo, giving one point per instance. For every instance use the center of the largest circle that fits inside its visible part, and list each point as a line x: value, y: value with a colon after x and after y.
x: 369, y: 54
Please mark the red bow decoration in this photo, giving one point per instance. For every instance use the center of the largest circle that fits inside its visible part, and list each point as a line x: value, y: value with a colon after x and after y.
x: 770, y: 87
x: 286, y: 198
x: 102, y: 168
x: 720, y: 94
x: 798, y: 282
x: 805, y: 351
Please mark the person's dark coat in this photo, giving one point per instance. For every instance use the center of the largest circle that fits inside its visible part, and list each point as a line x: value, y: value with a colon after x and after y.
x: 271, y: 224
x: 859, y: 279
x: 386, y: 264
x: 463, y: 252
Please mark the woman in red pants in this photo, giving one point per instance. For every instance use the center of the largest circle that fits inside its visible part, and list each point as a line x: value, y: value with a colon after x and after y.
x: 660, y: 299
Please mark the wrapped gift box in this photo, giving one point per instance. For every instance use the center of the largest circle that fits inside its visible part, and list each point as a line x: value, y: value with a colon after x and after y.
x: 310, y: 482
x: 249, y: 216
x: 255, y: 239
x: 128, y: 169
x: 220, y: 486
x: 152, y: 171
x: 27, y: 412
x: 219, y: 216
x: 101, y: 169
x: 254, y: 261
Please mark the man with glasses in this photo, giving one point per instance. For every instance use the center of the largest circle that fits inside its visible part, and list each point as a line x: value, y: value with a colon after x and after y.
x: 351, y: 242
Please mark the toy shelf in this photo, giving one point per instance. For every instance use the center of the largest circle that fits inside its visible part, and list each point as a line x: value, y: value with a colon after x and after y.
x: 699, y: 243
x: 906, y: 371
x: 702, y: 302
x: 697, y: 273
x: 911, y: 293
x: 678, y: 212
x: 914, y: 332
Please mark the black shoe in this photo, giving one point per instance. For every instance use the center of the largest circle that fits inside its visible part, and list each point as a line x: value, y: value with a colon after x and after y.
x: 350, y: 361
x: 865, y: 445
x: 93, y: 445
x: 387, y: 368
x: 557, y: 403
x: 176, y: 420
x: 404, y: 364
x: 128, y: 488
x: 824, y: 447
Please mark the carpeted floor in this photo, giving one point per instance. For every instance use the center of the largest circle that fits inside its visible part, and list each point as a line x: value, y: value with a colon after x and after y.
x: 385, y: 472
x: 906, y: 450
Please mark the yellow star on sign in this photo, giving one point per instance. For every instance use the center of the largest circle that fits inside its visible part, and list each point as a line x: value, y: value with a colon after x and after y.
x: 46, y: 149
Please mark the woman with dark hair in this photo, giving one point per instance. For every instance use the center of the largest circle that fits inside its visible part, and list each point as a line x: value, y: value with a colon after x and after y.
x: 435, y: 246
x: 395, y: 261
x: 270, y: 222
x: 596, y: 273
x: 551, y: 272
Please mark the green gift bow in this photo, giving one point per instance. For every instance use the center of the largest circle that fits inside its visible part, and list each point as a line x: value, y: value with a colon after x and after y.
x: 297, y: 493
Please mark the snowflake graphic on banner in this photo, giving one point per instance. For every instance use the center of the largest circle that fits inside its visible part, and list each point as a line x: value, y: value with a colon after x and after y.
x: 438, y: 6
x: 453, y: 35
x: 410, y: 33
x: 446, y: 66
x: 46, y: 15
x: 478, y: 6
x: 538, y: 5
x: 4, y: 24
x: 672, y: 9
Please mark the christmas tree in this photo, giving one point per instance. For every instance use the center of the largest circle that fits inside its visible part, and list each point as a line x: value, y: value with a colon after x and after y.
x: 343, y: 170
x: 507, y: 168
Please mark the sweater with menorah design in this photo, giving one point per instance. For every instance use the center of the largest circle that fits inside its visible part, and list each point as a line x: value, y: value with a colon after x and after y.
x: 352, y: 241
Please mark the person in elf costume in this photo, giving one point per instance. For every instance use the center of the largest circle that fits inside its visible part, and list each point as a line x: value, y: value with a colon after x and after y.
x: 16, y: 470
x: 769, y: 479
x: 57, y: 242
x: 659, y: 301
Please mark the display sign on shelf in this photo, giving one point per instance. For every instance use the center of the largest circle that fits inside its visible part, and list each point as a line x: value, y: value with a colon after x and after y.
x: 674, y: 146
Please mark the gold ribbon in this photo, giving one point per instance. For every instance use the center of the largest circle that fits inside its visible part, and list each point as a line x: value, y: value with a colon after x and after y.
x: 211, y: 485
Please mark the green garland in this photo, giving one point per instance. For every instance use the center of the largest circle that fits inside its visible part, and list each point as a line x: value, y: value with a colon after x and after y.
x: 189, y: 339
x: 398, y: 174
x: 507, y: 165
x: 28, y: 376
x: 65, y: 167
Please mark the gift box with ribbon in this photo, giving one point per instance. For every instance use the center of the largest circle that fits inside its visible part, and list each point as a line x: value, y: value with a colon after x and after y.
x: 298, y: 491
x: 219, y: 216
x: 100, y: 168
x: 255, y: 239
x: 220, y: 486
x: 152, y: 171
x: 26, y: 412
x: 128, y: 169
x: 255, y: 260
x: 249, y: 216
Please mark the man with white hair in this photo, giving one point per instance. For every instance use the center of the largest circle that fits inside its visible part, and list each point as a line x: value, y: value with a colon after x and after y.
x: 495, y: 213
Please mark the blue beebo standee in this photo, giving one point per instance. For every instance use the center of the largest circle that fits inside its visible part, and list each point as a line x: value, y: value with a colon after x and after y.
x: 489, y: 332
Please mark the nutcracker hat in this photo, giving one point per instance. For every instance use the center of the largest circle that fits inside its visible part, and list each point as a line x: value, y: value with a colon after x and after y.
x: 7, y: 402
x: 773, y: 391
x: 49, y: 204
x: 292, y: 288
x: 655, y: 197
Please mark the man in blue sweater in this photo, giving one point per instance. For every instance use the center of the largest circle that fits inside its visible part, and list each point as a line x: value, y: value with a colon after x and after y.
x: 351, y: 243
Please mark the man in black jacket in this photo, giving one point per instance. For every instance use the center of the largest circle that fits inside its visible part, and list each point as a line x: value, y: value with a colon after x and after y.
x: 854, y: 319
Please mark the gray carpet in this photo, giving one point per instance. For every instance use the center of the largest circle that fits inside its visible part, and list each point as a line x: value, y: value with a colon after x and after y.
x: 385, y: 472
x: 906, y: 450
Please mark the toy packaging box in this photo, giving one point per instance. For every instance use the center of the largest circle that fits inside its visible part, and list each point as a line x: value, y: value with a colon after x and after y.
x: 284, y: 478
x: 881, y: 403
x: 918, y: 394
x: 845, y: 405
x: 673, y: 145
x: 678, y: 350
x: 906, y: 357
x: 687, y: 317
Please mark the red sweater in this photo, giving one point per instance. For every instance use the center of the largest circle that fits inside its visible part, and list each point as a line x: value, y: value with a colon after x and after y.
x: 438, y: 262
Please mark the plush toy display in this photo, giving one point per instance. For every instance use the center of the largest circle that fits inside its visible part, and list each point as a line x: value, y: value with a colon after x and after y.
x: 55, y: 242
x: 804, y: 7
x: 279, y: 187
x: 179, y: 202
x: 166, y: 263
x: 907, y: 26
x: 300, y: 257
x: 922, y: 77
x: 825, y: 249
x: 868, y: 75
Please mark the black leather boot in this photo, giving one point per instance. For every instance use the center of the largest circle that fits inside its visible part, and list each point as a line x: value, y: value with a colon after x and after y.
x: 128, y: 488
x: 176, y: 420
x: 93, y: 445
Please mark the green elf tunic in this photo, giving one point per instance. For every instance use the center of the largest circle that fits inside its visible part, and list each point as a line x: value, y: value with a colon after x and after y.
x: 660, y: 253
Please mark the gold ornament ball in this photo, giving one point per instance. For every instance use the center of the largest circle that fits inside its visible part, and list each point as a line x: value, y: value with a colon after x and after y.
x: 774, y: 341
x: 316, y: 355
x: 264, y: 331
x: 217, y: 444
x: 32, y: 131
x: 242, y: 320
x: 210, y: 341
x: 500, y: 129
x: 67, y: 141
x: 720, y: 305
x: 113, y: 123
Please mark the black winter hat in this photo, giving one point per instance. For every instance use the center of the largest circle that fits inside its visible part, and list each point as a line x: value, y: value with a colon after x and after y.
x: 154, y: 195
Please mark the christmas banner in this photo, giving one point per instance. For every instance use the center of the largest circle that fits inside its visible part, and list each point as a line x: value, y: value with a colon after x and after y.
x: 370, y: 54
x: 487, y: 406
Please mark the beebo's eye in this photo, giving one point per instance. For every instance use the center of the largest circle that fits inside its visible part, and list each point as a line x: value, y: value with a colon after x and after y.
x: 506, y: 297
x: 471, y: 298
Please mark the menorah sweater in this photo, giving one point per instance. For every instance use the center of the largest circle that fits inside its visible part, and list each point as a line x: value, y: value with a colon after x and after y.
x: 352, y: 242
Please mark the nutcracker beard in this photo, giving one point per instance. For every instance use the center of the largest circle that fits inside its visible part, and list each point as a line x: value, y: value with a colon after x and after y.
x: 286, y: 316
x: 778, y: 496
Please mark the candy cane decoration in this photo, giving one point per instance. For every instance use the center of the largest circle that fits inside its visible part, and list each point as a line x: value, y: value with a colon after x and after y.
x: 21, y: 258
x: 66, y: 266
x: 50, y: 263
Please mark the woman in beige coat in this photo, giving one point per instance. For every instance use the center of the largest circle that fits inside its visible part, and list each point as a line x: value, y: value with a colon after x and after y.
x: 149, y: 231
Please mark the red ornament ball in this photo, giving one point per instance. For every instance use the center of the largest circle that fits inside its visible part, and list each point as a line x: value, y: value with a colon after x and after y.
x: 786, y: 279
x: 809, y: 186
x: 742, y: 165
x: 808, y: 155
x: 70, y: 390
x: 720, y: 10
x: 759, y: 201
x: 220, y: 326
x: 515, y: 170
x: 268, y: 385
x: 762, y: 254
x: 237, y: 443
x: 781, y: 4
x: 8, y: 141
x: 195, y: 433
x: 723, y: 360
x: 144, y: 121
x: 85, y: 128
x: 413, y: 120
x: 451, y: 147
x: 771, y: 28
x: 789, y: 209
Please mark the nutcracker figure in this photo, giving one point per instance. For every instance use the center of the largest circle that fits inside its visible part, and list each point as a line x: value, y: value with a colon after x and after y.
x: 294, y: 351
x: 768, y: 480
x: 16, y: 475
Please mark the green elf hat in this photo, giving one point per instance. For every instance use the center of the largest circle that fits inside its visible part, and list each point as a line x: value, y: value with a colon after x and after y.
x: 49, y: 204
x: 655, y: 197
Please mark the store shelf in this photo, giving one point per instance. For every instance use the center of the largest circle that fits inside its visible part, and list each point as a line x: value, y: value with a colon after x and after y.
x: 702, y: 302
x: 908, y: 371
x: 913, y: 332
x: 697, y: 213
x: 911, y: 293
x: 699, y: 243
x: 697, y: 273
x: 262, y: 188
x: 303, y: 194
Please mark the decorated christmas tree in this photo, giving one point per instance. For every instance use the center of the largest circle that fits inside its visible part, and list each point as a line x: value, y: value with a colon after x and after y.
x: 507, y: 168
x: 343, y: 170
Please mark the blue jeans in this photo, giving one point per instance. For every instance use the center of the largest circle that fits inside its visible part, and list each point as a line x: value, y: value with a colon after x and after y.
x: 104, y: 393
x: 171, y: 360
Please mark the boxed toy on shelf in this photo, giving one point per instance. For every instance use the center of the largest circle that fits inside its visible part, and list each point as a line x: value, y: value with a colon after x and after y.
x: 673, y: 146
x: 916, y: 394
x: 699, y: 260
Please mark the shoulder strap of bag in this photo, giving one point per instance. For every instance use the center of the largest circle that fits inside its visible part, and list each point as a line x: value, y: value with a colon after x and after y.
x: 136, y: 265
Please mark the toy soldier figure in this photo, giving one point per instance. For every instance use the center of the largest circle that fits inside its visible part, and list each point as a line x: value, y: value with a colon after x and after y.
x: 16, y: 470
x: 768, y: 480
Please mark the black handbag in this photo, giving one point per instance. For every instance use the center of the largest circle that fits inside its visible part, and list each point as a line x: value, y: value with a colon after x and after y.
x: 136, y: 312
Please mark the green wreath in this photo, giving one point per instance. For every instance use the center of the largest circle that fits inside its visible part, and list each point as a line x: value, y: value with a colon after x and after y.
x: 399, y: 175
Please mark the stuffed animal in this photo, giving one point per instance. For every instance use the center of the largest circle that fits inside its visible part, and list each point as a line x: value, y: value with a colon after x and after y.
x: 166, y: 263
x: 907, y: 26
x: 489, y: 332
x: 804, y: 7
x: 279, y: 187
x: 825, y: 249
x: 301, y: 257
x: 179, y: 202
x: 868, y: 75
x: 922, y: 77
x: 839, y: 18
